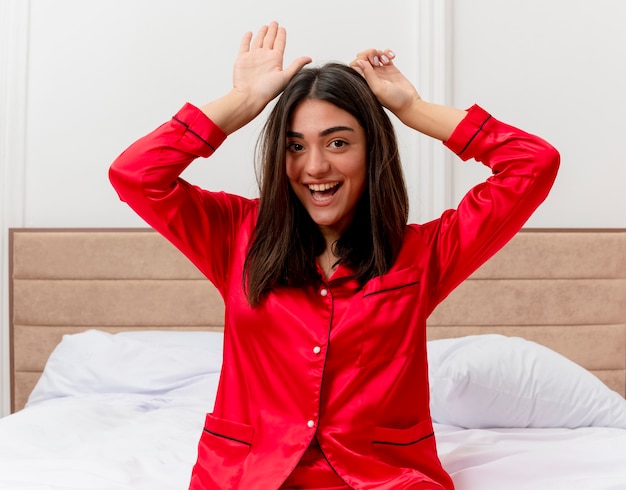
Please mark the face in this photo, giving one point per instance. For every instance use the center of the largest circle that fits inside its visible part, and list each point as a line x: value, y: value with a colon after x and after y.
x: 326, y: 163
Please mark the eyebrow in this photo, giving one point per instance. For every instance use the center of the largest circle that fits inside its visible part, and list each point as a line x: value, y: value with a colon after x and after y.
x: 325, y: 132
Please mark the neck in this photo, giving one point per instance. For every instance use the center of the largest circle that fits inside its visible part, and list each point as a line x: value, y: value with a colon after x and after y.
x: 328, y: 260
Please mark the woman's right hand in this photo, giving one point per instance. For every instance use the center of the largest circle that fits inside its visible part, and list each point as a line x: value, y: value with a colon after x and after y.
x: 258, y: 71
x: 258, y: 77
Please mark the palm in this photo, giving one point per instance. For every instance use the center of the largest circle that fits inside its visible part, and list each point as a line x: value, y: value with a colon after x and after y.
x: 259, y: 71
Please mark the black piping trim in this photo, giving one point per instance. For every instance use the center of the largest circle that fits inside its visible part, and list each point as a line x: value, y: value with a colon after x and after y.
x: 331, y: 466
x: 391, y: 289
x: 474, y: 136
x: 226, y: 437
x: 194, y: 133
x: 404, y: 443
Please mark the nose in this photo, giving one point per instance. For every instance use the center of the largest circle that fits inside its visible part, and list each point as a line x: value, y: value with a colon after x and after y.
x: 316, y: 164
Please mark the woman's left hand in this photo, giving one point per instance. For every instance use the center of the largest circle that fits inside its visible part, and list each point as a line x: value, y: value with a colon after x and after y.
x: 393, y: 90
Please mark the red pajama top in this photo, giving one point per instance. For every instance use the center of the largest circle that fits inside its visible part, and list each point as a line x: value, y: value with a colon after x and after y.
x: 332, y: 362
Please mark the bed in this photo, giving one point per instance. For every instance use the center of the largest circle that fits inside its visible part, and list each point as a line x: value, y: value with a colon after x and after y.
x: 116, y: 350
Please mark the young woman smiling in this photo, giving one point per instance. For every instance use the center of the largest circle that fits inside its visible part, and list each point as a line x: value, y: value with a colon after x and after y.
x: 327, y: 288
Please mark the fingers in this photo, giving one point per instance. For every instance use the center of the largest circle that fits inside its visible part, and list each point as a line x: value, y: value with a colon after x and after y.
x: 362, y: 67
x: 280, y: 40
x: 244, y: 46
x: 387, y: 56
x: 296, y: 66
x: 257, y: 42
x: 373, y: 58
x: 259, y: 65
x: 269, y: 37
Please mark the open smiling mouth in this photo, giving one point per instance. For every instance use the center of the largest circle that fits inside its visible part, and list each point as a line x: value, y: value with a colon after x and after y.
x: 323, y: 192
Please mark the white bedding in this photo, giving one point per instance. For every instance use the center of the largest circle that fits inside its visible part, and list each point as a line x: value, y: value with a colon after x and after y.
x: 126, y: 412
x: 105, y: 442
x: 587, y: 458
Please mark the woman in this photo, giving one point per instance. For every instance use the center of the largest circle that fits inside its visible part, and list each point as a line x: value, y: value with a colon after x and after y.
x: 327, y: 289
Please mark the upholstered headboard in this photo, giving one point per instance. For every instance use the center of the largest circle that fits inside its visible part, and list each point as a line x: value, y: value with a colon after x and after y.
x: 565, y: 289
x: 68, y: 281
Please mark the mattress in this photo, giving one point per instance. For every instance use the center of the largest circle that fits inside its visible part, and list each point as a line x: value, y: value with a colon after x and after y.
x: 125, y: 411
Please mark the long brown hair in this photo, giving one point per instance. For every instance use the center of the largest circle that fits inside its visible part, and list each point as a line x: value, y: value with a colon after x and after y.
x: 286, y: 240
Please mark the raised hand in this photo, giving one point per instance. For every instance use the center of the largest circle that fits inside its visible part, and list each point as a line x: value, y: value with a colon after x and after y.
x: 258, y: 71
x: 258, y: 77
x: 395, y: 92
x: 391, y: 87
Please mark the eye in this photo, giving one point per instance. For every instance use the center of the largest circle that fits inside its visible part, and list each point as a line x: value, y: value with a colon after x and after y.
x: 294, y: 147
x: 338, y: 143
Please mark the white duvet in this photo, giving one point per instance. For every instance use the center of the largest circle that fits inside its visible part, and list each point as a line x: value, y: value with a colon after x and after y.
x: 105, y: 442
x: 589, y: 458
x: 88, y: 426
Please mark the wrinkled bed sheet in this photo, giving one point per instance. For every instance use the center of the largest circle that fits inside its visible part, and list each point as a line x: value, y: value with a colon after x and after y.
x: 114, y: 442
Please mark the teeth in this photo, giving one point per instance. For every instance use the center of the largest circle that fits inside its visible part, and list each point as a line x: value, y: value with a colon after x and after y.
x: 322, y: 187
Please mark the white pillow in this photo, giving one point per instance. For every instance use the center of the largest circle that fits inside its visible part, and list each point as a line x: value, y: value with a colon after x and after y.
x: 149, y: 362
x: 488, y: 381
